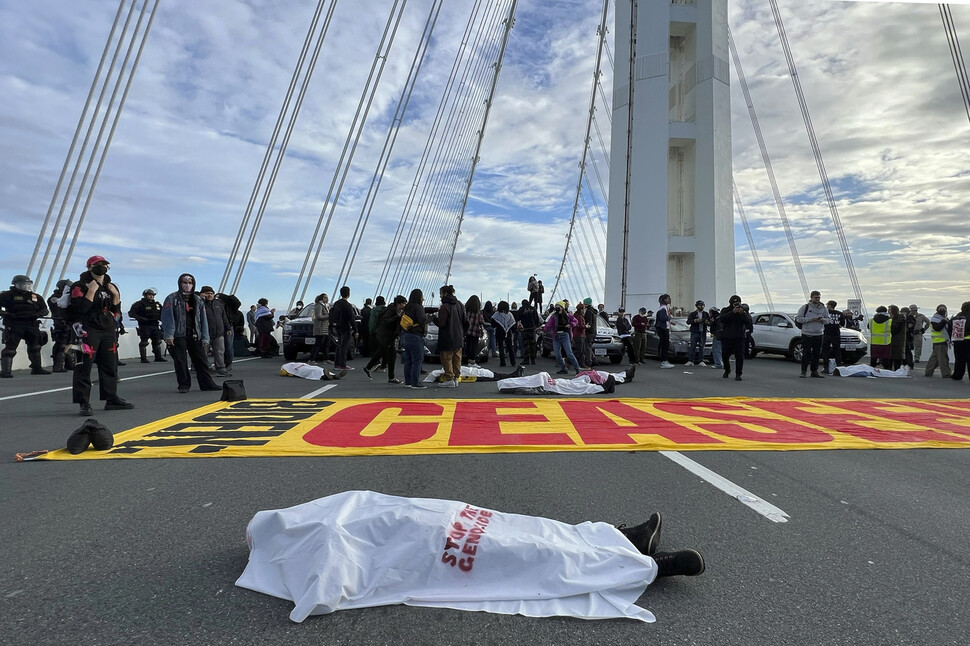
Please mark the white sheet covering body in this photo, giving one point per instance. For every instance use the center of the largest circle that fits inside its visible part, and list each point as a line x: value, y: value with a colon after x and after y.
x: 581, y: 384
x: 466, y: 373
x: 870, y: 371
x: 360, y: 549
x: 302, y: 370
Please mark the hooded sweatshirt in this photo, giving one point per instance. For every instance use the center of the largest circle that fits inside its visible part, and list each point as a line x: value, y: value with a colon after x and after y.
x: 183, y: 315
x: 450, y: 320
x: 810, y: 311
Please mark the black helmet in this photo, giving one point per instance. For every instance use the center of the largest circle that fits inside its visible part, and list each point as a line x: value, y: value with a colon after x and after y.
x: 699, y: 304
x: 150, y: 290
x: 20, y: 278
x: 63, y: 283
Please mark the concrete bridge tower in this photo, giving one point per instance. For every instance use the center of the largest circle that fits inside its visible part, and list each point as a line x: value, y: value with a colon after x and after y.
x: 671, y: 215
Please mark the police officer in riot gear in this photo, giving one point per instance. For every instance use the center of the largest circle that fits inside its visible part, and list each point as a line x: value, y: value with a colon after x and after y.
x: 21, y: 308
x: 148, y: 313
x: 95, y: 304
x: 61, y: 333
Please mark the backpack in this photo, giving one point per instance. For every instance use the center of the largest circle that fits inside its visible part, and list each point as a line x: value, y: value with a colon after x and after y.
x: 802, y: 312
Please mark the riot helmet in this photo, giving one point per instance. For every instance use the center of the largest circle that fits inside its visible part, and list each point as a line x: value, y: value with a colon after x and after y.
x: 22, y: 282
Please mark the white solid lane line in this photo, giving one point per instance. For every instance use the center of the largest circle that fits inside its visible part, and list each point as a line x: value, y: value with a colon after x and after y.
x: 318, y: 391
x: 59, y: 390
x: 739, y: 493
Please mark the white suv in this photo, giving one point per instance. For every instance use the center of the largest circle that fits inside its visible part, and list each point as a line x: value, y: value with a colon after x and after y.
x: 775, y: 332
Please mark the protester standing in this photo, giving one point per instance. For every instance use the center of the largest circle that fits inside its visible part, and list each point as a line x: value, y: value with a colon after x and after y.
x: 735, y: 324
x: 940, y: 336
x: 321, y: 329
x: 474, y: 329
x: 414, y: 324
x: 95, y: 301
x: 343, y: 323
x: 386, y: 332
x: 662, y: 327
x: 811, y: 318
x: 640, y: 323
x: 960, y: 336
x: 699, y: 321
x: 450, y: 319
x: 185, y: 329
x: 921, y: 326
x: 880, y: 339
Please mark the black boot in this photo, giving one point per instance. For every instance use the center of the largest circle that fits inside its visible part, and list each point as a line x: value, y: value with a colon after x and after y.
x: 6, y: 364
x: 630, y: 373
x: 645, y: 536
x: 682, y: 563
x: 609, y: 386
x: 59, y: 362
x: 143, y: 351
x: 36, y: 367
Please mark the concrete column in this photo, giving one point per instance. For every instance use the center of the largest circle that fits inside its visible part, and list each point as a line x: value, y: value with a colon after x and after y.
x: 678, y: 232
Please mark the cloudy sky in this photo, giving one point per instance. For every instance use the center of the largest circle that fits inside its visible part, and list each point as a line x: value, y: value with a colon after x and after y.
x: 878, y: 79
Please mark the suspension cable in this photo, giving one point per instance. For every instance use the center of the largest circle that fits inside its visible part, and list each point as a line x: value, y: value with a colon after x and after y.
x: 389, y: 142
x: 271, y: 145
x: 509, y: 23
x: 77, y: 132
x: 956, y: 53
x: 81, y: 154
x: 769, y: 169
x: 751, y: 245
x: 817, y: 152
x: 261, y: 211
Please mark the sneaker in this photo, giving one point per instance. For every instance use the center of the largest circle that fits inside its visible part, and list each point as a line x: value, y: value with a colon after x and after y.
x: 717, y: 367
x: 182, y: 391
x: 342, y: 368
x: 451, y: 383
x: 802, y: 376
x: 666, y: 364
x: 86, y: 410
x: 420, y: 387
x: 645, y: 536
x: 815, y: 375
x: 682, y: 563
x: 727, y: 373
x: 737, y: 378
x: 367, y: 372
x: 118, y: 404
x: 562, y: 372
x: 394, y: 381
x: 145, y: 360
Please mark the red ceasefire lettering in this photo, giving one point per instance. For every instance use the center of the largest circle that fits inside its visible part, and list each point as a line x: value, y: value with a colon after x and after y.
x: 779, y: 431
x: 477, y: 423
x: 595, y: 427
x: 344, y: 428
x: 888, y: 411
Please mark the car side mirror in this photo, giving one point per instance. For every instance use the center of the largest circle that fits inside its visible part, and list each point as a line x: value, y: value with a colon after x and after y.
x: 783, y: 324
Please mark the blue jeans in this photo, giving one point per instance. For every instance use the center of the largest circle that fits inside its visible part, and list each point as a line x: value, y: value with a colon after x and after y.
x: 413, y: 357
x: 561, y: 342
x: 696, y: 352
x: 716, y: 351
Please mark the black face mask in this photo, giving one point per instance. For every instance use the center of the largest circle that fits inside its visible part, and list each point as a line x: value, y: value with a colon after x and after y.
x: 99, y: 270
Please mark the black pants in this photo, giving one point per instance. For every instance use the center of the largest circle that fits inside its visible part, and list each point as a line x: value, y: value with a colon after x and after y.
x: 505, y: 345
x: 153, y: 336
x: 735, y: 347
x: 26, y: 330
x: 811, y: 348
x: 344, y: 339
x: 663, y: 349
x: 100, y: 346
x: 831, y: 349
x: 961, y: 354
x: 195, y: 351
x: 321, y: 346
x: 384, y: 354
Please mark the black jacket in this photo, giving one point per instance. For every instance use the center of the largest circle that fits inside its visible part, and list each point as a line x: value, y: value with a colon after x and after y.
x: 734, y: 326
x: 96, y: 315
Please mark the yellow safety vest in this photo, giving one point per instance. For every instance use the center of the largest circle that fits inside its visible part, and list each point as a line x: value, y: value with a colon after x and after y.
x: 880, y: 333
x: 937, y: 335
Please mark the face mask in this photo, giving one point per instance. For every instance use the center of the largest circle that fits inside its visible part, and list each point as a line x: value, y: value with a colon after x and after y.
x: 99, y: 270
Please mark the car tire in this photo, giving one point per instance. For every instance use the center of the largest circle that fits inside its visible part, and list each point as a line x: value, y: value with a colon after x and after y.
x: 796, y: 350
x: 754, y: 351
x: 290, y: 352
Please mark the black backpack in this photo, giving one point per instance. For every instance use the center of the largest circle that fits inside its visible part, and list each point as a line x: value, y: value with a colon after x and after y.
x: 802, y: 312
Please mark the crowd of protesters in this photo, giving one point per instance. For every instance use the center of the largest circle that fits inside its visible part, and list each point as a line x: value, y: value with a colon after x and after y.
x: 203, y: 329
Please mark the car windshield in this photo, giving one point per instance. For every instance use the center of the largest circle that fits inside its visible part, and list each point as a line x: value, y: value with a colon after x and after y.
x: 306, y: 312
x: 679, y: 325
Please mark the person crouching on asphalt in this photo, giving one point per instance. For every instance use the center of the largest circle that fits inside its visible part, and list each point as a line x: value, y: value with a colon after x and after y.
x: 186, y: 331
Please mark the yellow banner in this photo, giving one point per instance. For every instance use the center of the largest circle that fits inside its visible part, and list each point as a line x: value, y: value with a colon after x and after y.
x: 307, y: 427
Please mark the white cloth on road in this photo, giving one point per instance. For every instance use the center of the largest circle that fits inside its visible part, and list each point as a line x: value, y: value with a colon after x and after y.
x: 466, y: 372
x: 361, y: 549
x: 585, y: 383
x: 869, y: 371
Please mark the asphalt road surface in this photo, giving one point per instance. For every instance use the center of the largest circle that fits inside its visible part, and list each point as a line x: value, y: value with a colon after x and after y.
x: 875, y: 550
